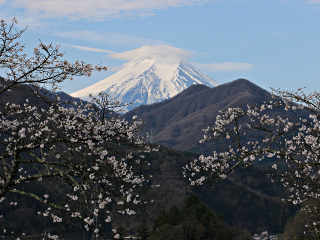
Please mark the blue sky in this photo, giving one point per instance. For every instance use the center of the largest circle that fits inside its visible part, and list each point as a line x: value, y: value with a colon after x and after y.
x: 272, y: 43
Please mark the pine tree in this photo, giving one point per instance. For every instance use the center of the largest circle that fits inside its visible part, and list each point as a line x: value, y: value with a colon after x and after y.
x: 143, y: 231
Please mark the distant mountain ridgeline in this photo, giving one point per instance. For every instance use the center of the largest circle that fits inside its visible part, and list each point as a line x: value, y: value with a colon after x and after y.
x: 179, y: 121
x: 37, y: 96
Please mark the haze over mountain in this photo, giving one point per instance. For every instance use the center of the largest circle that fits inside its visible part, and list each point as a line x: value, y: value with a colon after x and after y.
x: 149, y: 78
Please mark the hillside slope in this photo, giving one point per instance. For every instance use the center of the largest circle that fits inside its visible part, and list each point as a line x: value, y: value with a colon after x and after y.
x: 178, y: 122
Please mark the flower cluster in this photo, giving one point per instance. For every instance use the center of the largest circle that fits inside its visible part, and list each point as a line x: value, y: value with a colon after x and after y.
x: 45, y: 67
x: 89, y: 155
x: 85, y: 148
x: 286, y: 129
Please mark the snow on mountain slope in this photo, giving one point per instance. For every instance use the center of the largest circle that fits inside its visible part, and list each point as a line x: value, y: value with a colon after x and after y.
x: 147, y: 81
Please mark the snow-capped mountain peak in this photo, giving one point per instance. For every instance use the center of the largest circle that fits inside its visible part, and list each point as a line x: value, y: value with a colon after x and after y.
x: 147, y: 80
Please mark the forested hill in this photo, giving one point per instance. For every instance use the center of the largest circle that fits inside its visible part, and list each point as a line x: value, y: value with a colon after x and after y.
x: 179, y: 121
x: 246, y: 200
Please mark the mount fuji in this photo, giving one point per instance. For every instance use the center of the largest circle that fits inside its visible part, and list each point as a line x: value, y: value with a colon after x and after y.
x: 147, y: 80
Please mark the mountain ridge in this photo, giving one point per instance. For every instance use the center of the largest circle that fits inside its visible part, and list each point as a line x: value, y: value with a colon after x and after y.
x: 178, y: 122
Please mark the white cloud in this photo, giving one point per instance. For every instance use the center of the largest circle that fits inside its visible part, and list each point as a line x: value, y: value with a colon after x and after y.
x: 31, y: 22
x: 109, y: 38
x: 227, y: 66
x: 89, y: 48
x: 94, y: 10
x: 170, y: 54
x: 159, y: 52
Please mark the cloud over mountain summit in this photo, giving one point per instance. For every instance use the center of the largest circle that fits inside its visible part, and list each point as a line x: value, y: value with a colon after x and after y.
x: 160, y: 53
x: 171, y: 55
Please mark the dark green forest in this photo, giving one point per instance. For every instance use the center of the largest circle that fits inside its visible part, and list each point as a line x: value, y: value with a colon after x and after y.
x: 246, y: 203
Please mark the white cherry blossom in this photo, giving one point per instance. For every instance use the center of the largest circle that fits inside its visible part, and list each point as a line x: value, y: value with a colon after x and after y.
x: 253, y: 133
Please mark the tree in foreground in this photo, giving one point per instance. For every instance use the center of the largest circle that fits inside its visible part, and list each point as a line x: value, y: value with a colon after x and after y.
x: 45, y: 67
x: 286, y: 130
x: 90, y: 159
